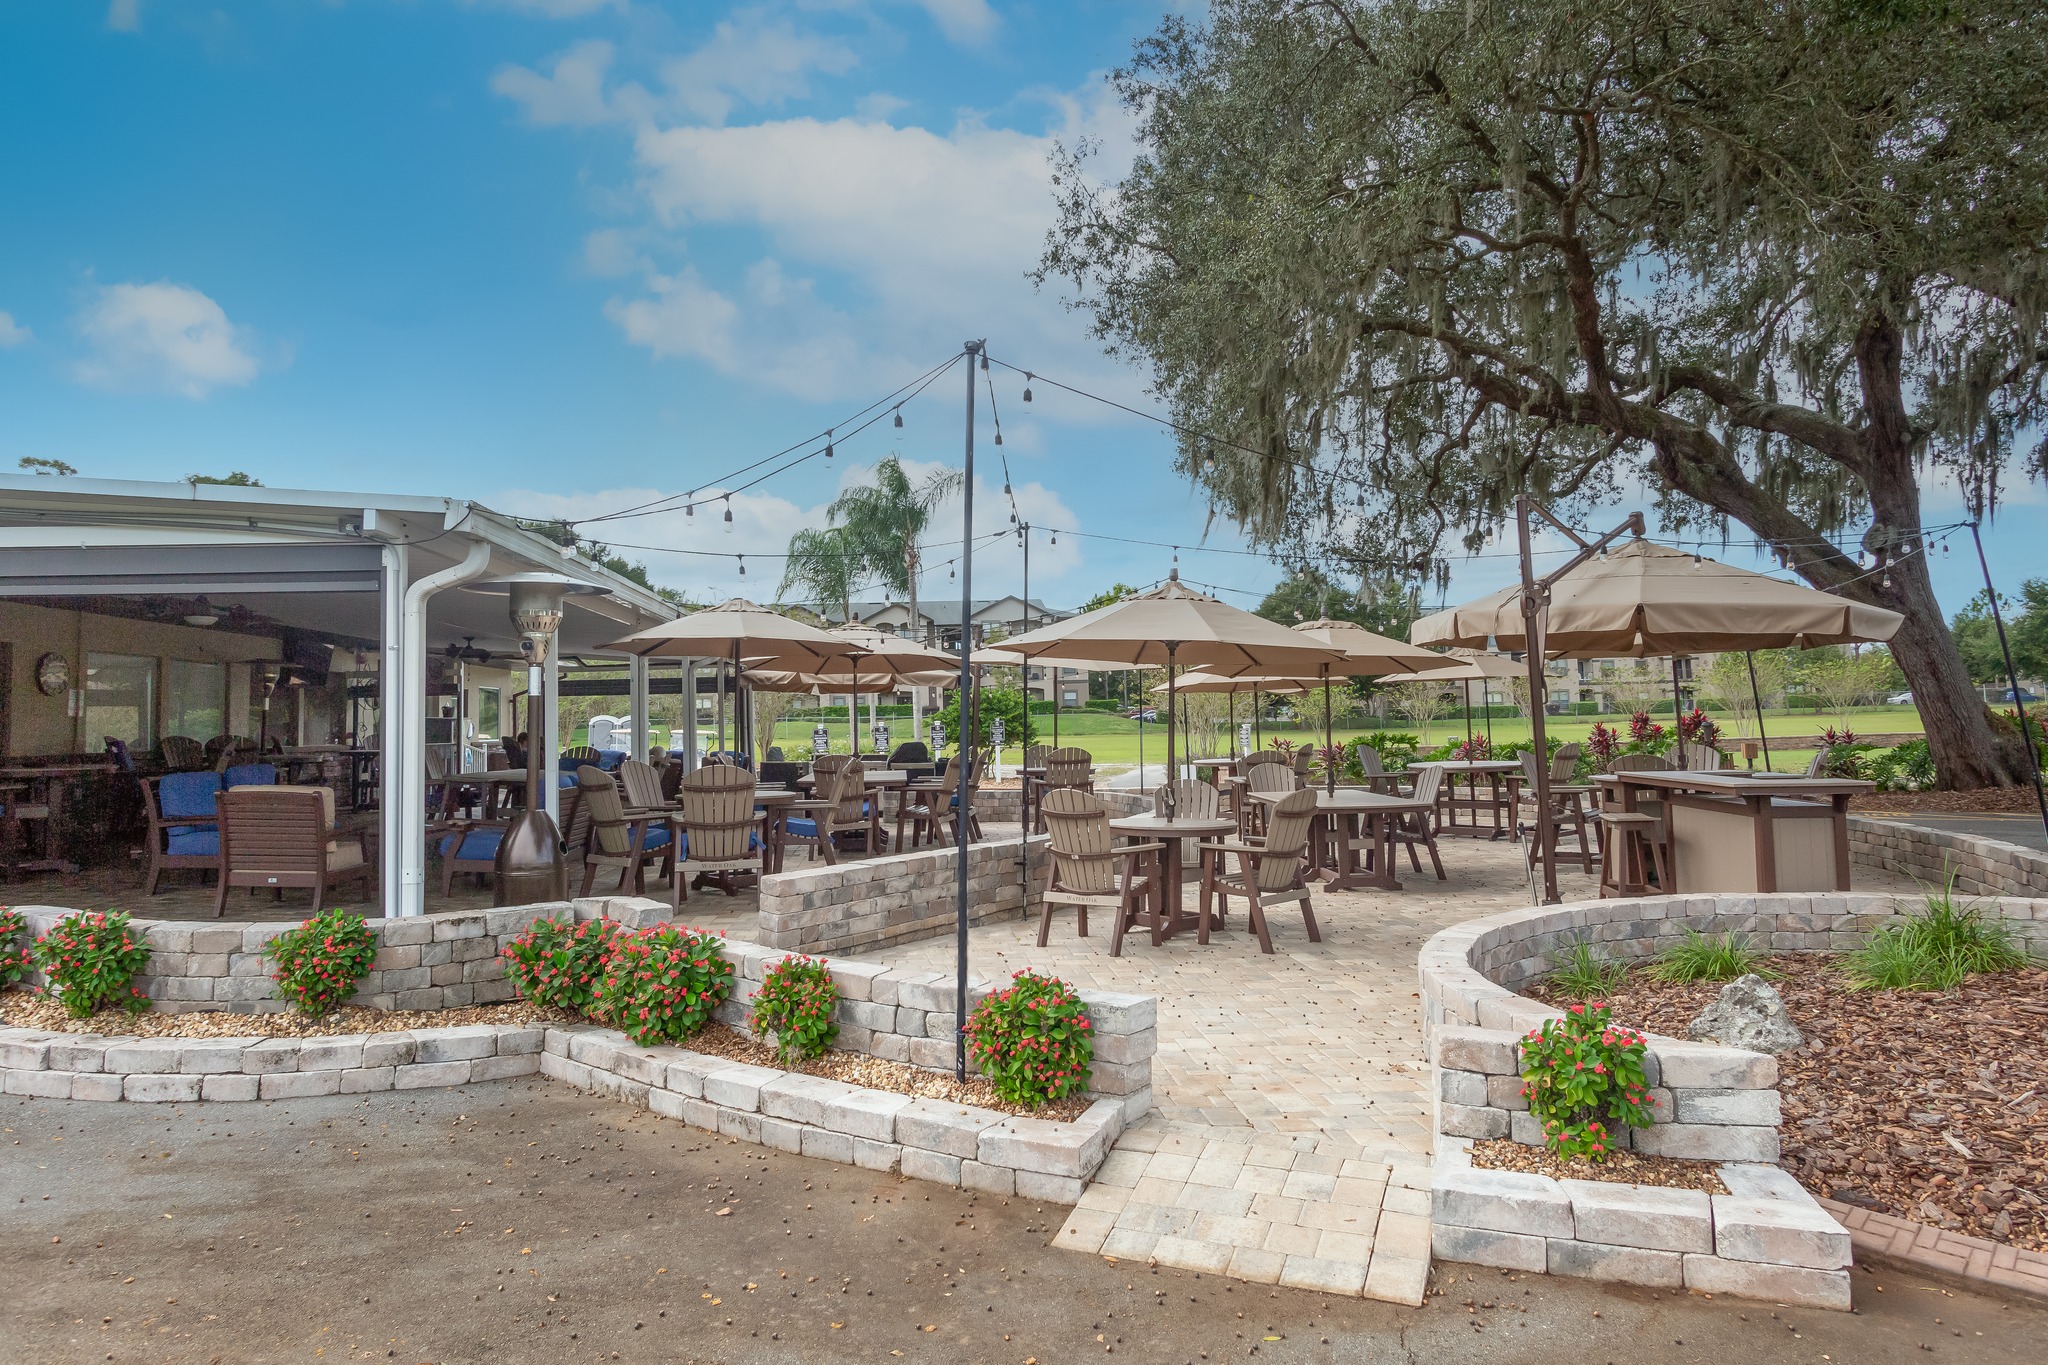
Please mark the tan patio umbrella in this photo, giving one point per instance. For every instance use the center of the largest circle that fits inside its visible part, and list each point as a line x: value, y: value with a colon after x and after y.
x: 1172, y: 627
x: 733, y: 629
x: 1364, y: 655
x: 1465, y: 667
x: 1201, y: 680
x: 995, y: 656
x: 877, y: 657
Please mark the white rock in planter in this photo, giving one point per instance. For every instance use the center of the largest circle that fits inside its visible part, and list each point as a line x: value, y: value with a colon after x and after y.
x: 1749, y: 1014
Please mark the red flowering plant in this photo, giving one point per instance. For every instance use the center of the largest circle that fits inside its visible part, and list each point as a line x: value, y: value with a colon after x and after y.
x: 320, y: 963
x: 1646, y: 734
x: 559, y: 964
x: 798, y: 1003
x: 1583, y: 1078
x: 1604, y: 744
x: 1696, y: 727
x: 1477, y: 749
x: 91, y: 962
x: 15, y: 959
x: 661, y: 984
x: 1032, y: 1040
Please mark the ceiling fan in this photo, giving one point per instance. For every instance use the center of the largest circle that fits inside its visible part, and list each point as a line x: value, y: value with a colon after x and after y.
x: 467, y: 651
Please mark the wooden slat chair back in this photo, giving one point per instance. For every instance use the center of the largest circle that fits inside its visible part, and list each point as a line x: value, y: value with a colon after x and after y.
x: 1637, y: 763
x: 1033, y: 784
x: 495, y: 760
x: 838, y: 806
x: 1269, y: 873
x: 1088, y: 870
x: 1273, y: 775
x: 618, y: 838
x: 1034, y: 755
x: 1568, y: 814
x: 1417, y: 829
x: 718, y: 824
x: 1260, y: 758
x: 182, y: 753
x: 283, y: 837
x: 1193, y: 799
x: 1369, y: 761
x: 643, y: 785
x: 671, y: 779
x: 580, y: 753
x: 1565, y: 762
x: 1070, y: 768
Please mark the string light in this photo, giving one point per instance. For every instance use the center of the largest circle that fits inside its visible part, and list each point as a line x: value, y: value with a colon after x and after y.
x: 690, y: 508
x: 743, y: 565
x: 1055, y: 537
x: 899, y: 417
x: 728, y: 514
x: 828, y: 445
x: 999, y: 435
x: 1027, y: 386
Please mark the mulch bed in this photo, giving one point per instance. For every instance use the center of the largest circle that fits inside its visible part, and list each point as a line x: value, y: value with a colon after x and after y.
x: 24, y: 1009
x: 1924, y: 1105
x: 1987, y: 801
x: 1622, y: 1168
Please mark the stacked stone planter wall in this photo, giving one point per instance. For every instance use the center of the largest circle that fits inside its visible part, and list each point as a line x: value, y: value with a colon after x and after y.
x: 876, y: 902
x: 1982, y: 867
x: 1767, y: 1238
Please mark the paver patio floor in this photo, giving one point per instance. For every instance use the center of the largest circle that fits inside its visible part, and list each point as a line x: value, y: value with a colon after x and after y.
x: 1292, y: 1138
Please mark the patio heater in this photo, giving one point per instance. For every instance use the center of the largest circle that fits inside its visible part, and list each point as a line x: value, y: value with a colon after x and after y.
x: 529, y: 862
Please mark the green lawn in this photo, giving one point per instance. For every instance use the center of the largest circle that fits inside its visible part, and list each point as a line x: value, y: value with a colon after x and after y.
x: 1113, y: 740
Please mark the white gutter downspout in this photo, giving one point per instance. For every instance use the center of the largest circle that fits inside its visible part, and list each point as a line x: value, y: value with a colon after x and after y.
x: 412, y: 746
x: 390, y: 757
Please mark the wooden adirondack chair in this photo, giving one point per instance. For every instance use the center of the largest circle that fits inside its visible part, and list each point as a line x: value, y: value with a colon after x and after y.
x: 182, y: 754
x: 844, y: 809
x: 618, y: 837
x: 279, y: 837
x: 1274, y: 775
x: 715, y: 829
x: 1065, y: 770
x: 1418, y: 828
x: 1268, y: 873
x: 1568, y: 815
x: 1090, y: 871
x: 938, y: 807
x: 643, y: 785
x: 1193, y: 798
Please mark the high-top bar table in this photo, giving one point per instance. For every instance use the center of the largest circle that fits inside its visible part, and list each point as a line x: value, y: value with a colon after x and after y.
x: 1503, y: 777
x: 1348, y: 821
x: 1732, y: 831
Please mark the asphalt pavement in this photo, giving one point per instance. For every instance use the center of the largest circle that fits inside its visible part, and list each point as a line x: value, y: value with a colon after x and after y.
x: 523, y: 1222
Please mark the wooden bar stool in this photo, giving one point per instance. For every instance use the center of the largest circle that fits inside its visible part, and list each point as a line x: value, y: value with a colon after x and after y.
x: 1631, y: 848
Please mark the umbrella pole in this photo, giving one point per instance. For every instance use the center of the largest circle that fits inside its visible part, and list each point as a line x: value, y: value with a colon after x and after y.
x: 1756, y: 699
x: 1171, y: 773
x: 1677, y: 710
x: 1466, y: 685
x: 1486, y: 697
x: 1258, y: 727
x: 853, y: 711
x: 1230, y: 698
x: 1329, y: 738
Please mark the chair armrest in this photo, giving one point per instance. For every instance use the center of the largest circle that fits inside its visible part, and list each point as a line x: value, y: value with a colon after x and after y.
x: 1136, y: 848
x: 174, y: 821
x: 1231, y: 846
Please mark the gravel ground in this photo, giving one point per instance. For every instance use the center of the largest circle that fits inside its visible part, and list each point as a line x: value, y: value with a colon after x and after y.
x: 26, y: 1009
x: 1620, y: 1168
x: 518, y: 1222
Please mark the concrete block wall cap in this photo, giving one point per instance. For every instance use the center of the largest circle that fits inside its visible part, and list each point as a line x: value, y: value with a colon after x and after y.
x: 1779, y: 1231
x: 1039, y: 1145
x: 1641, y: 1216
x: 942, y: 1127
x: 865, y: 1114
x: 1754, y: 1180
x: 1501, y: 1201
x: 800, y: 1098
x: 1708, y: 1066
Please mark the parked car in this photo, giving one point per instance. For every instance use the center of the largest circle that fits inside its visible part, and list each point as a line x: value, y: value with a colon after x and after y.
x: 2023, y: 697
x: 1146, y: 714
x: 1899, y: 699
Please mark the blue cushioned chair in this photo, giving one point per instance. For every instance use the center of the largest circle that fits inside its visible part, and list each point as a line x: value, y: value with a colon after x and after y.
x: 248, y: 775
x: 470, y: 848
x: 184, y: 831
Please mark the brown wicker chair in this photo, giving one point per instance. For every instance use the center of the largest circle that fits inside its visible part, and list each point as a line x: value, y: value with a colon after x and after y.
x: 280, y: 837
x: 715, y: 830
x: 1268, y: 873
x: 1090, y: 871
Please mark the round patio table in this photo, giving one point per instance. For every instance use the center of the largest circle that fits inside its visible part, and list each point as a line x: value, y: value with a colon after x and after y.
x: 1504, y: 781
x: 1172, y: 832
x: 1212, y: 770
x: 1367, y: 819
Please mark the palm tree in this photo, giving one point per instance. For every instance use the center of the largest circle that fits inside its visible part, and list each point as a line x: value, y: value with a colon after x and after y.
x: 825, y: 567
x: 886, y: 519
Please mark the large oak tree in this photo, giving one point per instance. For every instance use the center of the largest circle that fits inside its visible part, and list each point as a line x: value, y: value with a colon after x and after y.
x: 1775, y: 266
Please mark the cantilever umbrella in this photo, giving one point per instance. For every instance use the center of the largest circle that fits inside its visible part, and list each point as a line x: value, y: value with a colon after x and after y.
x: 1172, y: 627
x: 1465, y: 667
x: 1646, y: 599
x: 1364, y: 654
x: 736, y: 629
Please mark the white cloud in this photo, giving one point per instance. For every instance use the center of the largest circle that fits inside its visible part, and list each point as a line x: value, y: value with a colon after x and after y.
x: 610, y: 252
x: 572, y: 93
x: 551, y: 9
x: 124, y: 16
x: 963, y: 21
x: 12, y: 333
x: 163, y: 337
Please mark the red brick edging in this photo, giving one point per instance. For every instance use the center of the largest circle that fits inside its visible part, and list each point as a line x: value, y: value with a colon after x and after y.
x: 1973, y: 1258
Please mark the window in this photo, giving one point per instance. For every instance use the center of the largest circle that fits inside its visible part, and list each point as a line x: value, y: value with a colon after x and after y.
x: 120, y: 699
x: 1071, y: 698
x: 487, y: 712
x: 195, y: 699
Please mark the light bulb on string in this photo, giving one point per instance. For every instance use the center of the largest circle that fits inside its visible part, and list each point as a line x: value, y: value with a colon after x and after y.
x: 1006, y: 485
x: 743, y: 564
x: 728, y: 514
x: 984, y: 362
x: 1027, y: 386
x: 1055, y: 537
x: 899, y: 417
x: 999, y: 435
x: 828, y: 445
x: 1208, y: 456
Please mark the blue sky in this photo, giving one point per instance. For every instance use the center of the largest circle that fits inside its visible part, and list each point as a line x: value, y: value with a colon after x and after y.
x: 566, y: 256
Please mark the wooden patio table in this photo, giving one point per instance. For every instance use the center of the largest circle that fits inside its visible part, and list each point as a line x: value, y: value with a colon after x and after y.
x: 1504, y: 779
x: 46, y: 785
x: 1214, y: 770
x: 498, y: 786
x: 1363, y: 816
x: 1146, y: 828
x: 1734, y: 831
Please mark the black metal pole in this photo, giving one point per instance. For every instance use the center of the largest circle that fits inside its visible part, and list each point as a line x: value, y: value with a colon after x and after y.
x: 1330, y: 736
x: 968, y: 716
x: 2012, y: 678
x: 1024, y: 734
x: 1756, y: 699
x: 1532, y: 654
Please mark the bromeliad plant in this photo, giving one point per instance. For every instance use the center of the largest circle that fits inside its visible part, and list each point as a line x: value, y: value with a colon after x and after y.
x: 1032, y: 1040
x: 15, y: 959
x: 91, y: 962
x: 1583, y: 1077
x: 797, y: 1003
x: 660, y: 985
x: 320, y: 963
x: 560, y: 965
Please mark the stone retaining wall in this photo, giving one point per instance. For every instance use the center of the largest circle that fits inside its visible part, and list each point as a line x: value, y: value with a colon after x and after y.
x: 1982, y: 867
x: 1768, y: 1238
x: 876, y: 902
x: 427, y: 962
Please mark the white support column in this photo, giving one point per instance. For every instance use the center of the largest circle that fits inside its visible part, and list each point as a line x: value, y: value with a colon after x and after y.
x: 411, y: 777
x: 550, y: 734
x: 391, y: 666
x: 690, y: 715
x: 636, y: 688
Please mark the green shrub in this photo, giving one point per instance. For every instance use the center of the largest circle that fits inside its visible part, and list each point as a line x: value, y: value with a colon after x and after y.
x: 797, y: 1003
x: 320, y: 963
x: 91, y: 962
x: 1907, y: 767
x: 560, y: 964
x: 661, y: 984
x: 1934, y: 950
x: 1582, y: 972
x: 1583, y: 1077
x: 1032, y: 1040
x: 1710, y: 957
x: 16, y: 960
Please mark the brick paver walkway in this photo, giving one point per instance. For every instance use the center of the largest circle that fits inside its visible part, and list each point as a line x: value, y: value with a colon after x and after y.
x: 1292, y: 1139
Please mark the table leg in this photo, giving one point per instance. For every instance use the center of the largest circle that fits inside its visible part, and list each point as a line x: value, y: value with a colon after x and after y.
x: 1169, y: 872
